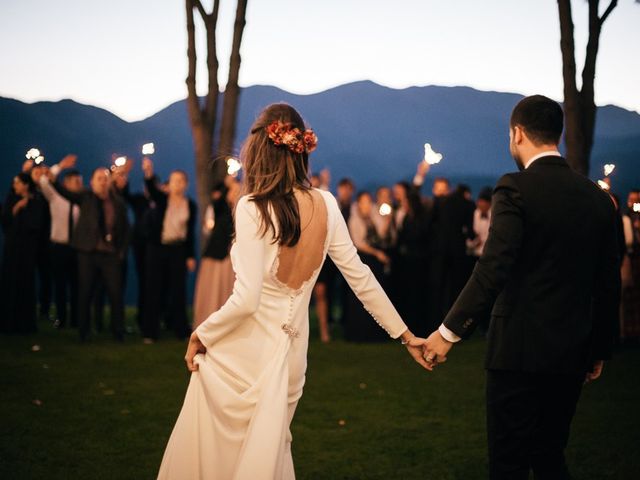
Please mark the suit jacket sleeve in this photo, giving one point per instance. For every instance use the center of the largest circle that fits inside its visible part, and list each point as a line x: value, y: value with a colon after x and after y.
x: 606, y: 299
x: 155, y: 193
x: 493, y: 268
x: 249, y: 269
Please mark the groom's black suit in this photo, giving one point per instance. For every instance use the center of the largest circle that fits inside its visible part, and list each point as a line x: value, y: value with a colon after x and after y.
x: 550, y: 273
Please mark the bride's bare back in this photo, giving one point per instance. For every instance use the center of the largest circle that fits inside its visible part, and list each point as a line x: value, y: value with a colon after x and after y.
x: 298, y: 264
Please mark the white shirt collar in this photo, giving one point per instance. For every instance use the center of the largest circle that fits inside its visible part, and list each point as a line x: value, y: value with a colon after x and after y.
x: 549, y: 153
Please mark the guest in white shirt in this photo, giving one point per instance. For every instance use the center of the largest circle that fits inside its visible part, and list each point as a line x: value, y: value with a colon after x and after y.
x: 64, y: 216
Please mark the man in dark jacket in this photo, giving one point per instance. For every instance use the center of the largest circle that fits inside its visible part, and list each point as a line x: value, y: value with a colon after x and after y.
x: 100, y: 237
x: 550, y: 273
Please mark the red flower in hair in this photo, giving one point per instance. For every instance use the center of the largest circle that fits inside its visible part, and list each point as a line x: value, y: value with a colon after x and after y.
x: 281, y: 133
x: 310, y: 140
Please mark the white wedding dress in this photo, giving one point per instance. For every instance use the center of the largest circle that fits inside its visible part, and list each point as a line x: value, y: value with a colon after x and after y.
x: 234, y: 423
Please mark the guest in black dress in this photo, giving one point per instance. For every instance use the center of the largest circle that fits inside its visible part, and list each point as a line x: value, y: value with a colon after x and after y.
x: 22, y: 223
x: 360, y: 327
x: 410, y: 259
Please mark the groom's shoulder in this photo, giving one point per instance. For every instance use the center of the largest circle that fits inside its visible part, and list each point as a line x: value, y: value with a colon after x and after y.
x: 508, y: 181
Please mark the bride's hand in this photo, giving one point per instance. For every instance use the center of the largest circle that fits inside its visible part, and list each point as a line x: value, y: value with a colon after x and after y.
x: 415, y: 348
x: 194, y: 347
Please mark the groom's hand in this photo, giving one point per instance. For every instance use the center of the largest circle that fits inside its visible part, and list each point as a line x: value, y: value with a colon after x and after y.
x: 436, y: 348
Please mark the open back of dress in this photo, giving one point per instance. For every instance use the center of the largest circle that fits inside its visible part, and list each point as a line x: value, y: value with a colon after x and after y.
x: 298, y: 264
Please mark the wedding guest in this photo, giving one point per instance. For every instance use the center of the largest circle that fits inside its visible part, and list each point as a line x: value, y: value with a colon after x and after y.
x: 326, y: 282
x: 383, y: 217
x: 64, y: 216
x: 170, y: 252
x: 43, y: 250
x: 481, y: 222
x: 344, y: 195
x: 455, y: 224
x: 365, y: 237
x: 630, y: 321
x: 100, y: 239
x: 214, y: 283
x: 139, y: 203
x: 22, y: 222
x: 410, y: 259
x: 334, y: 282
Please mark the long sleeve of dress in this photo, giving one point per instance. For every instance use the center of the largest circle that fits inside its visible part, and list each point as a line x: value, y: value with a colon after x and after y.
x: 249, y: 269
x: 360, y: 278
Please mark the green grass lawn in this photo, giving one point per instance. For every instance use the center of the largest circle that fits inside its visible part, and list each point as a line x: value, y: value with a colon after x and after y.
x: 368, y: 412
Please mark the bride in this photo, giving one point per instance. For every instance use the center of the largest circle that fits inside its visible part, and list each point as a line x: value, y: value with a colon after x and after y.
x: 249, y: 358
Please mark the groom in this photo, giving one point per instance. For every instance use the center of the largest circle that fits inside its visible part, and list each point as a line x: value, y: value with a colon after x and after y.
x: 550, y: 274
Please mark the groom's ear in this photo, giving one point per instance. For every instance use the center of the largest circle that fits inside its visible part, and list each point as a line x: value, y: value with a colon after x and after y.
x: 517, y: 134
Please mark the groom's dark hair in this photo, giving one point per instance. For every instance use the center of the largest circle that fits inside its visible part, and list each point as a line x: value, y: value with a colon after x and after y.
x: 540, y: 117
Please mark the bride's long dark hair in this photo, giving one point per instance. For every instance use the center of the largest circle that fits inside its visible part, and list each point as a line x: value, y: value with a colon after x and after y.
x: 274, y: 172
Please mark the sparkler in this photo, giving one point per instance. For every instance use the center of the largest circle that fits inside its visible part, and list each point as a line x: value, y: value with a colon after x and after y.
x: 608, y: 169
x: 148, y: 149
x: 385, y: 209
x: 430, y: 156
x: 603, y: 185
x: 636, y: 207
x: 35, y: 155
x: 120, y: 161
x: 233, y: 166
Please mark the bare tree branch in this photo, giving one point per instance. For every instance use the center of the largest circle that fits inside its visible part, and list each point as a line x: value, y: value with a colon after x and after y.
x: 608, y: 11
x: 232, y: 90
x: 193, y: 105
x: 567, y: 46
x: 203, y: 12
x: 211, y: 104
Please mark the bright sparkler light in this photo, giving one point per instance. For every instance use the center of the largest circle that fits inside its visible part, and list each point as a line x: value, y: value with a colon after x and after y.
x: 33, y: 153
x: 636, y: 207
x: 39, y: 159
x: 430, y: 155
x: 385, y: 209
x: 608, y: 169
x: 120, y: 161
x: 148, y: 149
x: 603, y: 185
x: 233, y: 166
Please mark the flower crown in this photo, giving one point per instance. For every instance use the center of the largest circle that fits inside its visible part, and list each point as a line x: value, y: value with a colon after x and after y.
x: 281, y: 133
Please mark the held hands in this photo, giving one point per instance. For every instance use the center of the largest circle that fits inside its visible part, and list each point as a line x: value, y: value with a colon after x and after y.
x: 415, y: 348
x: 435, y: 349
x: 194, y: 347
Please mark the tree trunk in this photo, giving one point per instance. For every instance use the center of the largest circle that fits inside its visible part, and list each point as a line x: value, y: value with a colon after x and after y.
x: 231, y: 96
x: 579, y: 105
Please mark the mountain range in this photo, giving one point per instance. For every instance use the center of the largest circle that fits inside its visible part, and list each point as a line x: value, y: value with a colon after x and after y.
x: 368, y: 132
